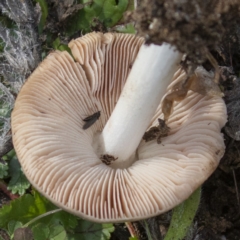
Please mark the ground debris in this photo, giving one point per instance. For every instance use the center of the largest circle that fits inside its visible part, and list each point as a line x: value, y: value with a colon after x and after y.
x: 232, y: 99
x: 194, y: 27
x: 200, y: 81
x: 157, y: 132
x: 107, y: 159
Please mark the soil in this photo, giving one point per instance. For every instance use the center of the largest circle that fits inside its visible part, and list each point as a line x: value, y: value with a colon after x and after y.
x: 192, y: 26
x: 218, y: 216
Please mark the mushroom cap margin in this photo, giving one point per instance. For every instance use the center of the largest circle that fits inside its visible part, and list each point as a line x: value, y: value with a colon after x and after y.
x: 57, y: 156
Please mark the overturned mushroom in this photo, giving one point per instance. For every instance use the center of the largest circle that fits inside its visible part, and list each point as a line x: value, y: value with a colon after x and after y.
x: 63, y: 161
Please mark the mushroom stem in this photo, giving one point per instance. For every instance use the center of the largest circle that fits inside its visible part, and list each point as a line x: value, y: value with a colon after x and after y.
x: 151, y: 73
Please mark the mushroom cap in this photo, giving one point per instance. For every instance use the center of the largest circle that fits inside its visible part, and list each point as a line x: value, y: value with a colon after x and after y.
x: 57, y: 154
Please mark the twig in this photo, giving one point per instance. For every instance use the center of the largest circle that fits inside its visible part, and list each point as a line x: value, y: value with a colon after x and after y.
x: 9, y: 194
x: 131, y: 230
x: 214, y: 63
x: 41, y: 216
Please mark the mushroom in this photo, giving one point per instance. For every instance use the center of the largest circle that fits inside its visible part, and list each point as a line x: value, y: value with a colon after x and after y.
x: 76, y: 168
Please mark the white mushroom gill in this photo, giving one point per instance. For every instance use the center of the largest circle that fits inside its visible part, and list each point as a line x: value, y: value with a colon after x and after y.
x: 58, y: 156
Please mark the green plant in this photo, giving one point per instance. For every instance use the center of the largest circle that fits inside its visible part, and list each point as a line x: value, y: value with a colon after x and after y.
x: 182, y: 217
x: 33, y: 214
x: 11, y: 171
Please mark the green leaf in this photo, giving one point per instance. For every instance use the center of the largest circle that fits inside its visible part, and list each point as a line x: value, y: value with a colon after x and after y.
x: 57, y: 232
x: 128, y: 28
x: 44, y: 8
x: 9, y: 155
x: 13, y: 225
x: 112, y: 12
x: 61, y: 47
x: 22, y: 209
x: 89, y: 230
x: 183, y: 216
x: 56, y: 43
x: 66, y: 219
x: 18, y: 182
x: 107, y: 12
x: 3, y: 170
x: 28, y: 207
x: 40, y: 231
x: 54, y: 232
